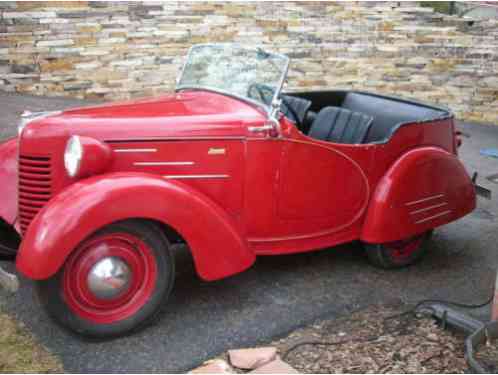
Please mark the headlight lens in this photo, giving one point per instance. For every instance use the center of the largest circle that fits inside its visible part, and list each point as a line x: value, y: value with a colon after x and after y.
x: 73, y: 155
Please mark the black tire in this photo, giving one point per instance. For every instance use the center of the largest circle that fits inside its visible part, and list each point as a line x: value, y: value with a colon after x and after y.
x: 9, y: 241
x: 388, y: 255
x: 53, y: 298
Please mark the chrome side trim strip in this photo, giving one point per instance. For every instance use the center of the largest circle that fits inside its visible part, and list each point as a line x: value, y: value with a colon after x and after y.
x: 172, y: 138
x: 433, y: 217
x: 153, y: 163
x: 195, y: 176
x: 135, y: 150
x: 424, y: 199
x: 428, y: 208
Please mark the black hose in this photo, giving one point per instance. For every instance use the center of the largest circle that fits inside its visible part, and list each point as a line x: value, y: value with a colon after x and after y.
x: 456, y: 304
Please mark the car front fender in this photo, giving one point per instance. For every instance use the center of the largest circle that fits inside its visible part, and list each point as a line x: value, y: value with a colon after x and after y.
x: 8, y: 180
x: 217, y: 247
x: 425, y: 188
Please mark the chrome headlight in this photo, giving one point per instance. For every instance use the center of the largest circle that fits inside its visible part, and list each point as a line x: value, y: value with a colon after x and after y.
x: 73, y: 155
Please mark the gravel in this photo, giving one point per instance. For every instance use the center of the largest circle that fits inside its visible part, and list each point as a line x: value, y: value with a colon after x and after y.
x: 379, y: 339
x: 376, y: 340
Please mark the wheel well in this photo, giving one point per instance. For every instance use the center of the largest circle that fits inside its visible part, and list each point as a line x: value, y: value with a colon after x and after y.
x: 10, y: 239
x: 171, y: 234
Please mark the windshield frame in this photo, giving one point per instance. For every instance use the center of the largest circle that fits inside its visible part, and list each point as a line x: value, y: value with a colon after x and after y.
x: 267, y: 108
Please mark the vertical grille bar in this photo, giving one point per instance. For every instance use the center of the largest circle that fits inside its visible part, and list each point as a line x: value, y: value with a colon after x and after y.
x: 34, y: 187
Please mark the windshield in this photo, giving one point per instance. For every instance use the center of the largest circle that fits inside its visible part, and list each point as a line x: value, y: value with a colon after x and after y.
x: 249, y: 74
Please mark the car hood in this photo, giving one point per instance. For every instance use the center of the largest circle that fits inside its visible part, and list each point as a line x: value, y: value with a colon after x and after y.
x: 184, y: 114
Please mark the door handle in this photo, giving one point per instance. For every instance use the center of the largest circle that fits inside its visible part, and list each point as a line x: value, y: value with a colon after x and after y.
x: 260, y: 129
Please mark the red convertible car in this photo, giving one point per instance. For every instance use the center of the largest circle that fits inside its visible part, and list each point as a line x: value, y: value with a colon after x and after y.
x: 94, y: 197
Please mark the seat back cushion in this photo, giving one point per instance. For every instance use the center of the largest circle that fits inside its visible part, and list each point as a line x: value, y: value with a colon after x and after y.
x: 386, y: 113
x: 339, y: 125
x: 299, y: 108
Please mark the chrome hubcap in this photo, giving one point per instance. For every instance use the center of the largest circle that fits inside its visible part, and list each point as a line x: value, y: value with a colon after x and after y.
x: 109, y: 277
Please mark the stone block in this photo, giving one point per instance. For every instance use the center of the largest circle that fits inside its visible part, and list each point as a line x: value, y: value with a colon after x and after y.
x: 89, y: 29
x: 94, y: 52
x: 276, y: 366
x: 53, y: 21
x: 217, y: 366
x: 106, y: 41
x: 252, y: 358
x: 24, y: 69
x: 489, y: 82
x: 55, y: 43
x: 29, y: 15
x: 127, y: 62
x: 88, y: 66
x: 56, y: 65
x: 77, y: 86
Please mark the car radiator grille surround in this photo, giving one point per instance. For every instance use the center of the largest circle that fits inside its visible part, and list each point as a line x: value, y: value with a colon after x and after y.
x: 34, y: 187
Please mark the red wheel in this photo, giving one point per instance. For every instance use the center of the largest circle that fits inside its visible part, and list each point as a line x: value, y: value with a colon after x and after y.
x: 109, y: 278
x: 398, y: 253
x: 114, y: 282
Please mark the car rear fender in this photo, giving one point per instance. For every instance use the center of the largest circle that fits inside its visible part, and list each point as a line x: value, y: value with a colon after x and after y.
x: 218, y: 248
x: 8, y: 181
x: 425, y: 188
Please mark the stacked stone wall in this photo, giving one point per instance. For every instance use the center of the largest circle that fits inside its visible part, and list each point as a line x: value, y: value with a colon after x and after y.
x: 116, y: 50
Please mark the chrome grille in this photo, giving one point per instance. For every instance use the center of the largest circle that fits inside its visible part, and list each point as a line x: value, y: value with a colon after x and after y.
x: 34, y: 187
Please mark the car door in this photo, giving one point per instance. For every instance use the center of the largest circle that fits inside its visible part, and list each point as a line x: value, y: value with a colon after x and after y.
x: 298, y: 188
x: 321, y: 189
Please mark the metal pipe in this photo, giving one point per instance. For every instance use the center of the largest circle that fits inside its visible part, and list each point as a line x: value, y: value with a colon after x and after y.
x: 448, y: 315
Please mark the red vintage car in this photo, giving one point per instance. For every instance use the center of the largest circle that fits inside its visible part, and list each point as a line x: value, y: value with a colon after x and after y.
x: 229, y: 166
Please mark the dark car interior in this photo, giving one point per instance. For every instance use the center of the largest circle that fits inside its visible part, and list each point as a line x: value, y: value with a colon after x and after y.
x: 353, y: 117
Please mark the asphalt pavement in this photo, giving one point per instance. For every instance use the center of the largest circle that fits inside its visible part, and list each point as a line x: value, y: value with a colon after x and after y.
x: 281, y: 293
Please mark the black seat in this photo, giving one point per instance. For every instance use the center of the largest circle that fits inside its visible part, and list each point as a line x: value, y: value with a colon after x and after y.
x: 340, y: 125
x: 295, y: 107
x: 387, y: 112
